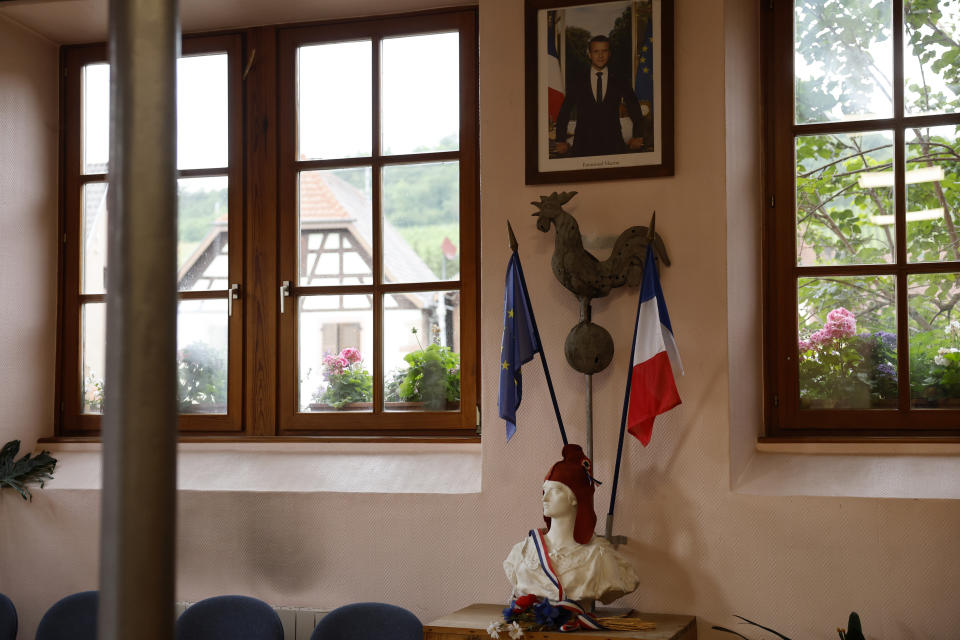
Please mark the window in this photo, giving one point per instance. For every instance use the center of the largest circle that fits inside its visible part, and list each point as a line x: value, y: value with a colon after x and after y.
x: 210, y: 225
x: 328, y: 230
x: 862, y: 252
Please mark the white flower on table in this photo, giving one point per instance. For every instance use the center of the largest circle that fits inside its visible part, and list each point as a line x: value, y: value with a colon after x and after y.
x: 515, y: 631
x: 494, y: 628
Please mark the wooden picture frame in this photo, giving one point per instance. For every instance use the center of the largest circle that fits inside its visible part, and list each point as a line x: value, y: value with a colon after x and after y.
x: 562, y: 54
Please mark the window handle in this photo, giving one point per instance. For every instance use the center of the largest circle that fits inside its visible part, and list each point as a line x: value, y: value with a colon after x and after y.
x: 284, y: 292
x: 234, y: 294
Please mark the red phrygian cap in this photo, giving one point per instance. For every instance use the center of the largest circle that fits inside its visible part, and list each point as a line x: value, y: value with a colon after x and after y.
x: 574, y: 471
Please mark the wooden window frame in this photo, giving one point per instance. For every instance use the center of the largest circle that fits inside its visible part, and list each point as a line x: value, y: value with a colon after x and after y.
x: 71, y: 421
x: 378, y: 421
x: 784, y: 420
x: 261, y: 351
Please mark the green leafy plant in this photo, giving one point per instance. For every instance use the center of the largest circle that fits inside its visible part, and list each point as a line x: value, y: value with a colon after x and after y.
x: 841, y: 369
x: 201, y: 378
x: 853, y: 631
x: 432, y: 377
x: 843, y: 218
x: 93, y: 393
x: 17, y: 474
x: 347, y: 380
x: 935, y: 365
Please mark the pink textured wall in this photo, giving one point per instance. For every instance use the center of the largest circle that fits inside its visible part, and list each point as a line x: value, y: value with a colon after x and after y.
x: 799, y: 564
x: 28, y: 272
x: 28, y: 230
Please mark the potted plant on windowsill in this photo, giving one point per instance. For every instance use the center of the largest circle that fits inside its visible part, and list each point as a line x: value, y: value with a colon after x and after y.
x: 349, y: 384
x: 201, y: 379
x: 93, y: 394
x: 843, y: 369
x: 935, y: 367
x: 430, y: 382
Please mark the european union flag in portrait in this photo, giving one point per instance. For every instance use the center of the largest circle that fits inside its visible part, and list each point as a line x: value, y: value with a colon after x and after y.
x: 519, y: 343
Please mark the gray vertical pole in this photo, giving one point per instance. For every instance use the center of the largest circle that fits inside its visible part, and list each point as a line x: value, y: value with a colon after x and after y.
x: 586, y: 315
x: 138, y: 530
x: 589, y: 406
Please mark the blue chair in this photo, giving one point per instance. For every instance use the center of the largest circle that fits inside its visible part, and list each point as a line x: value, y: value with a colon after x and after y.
x: 229, y: 618
x: 73, y: 617
x: 8, y: 619
x: 368, y: 621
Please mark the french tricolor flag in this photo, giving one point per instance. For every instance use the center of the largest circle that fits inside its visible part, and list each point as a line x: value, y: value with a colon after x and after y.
x: 555, y: 46
x: 655, y: 357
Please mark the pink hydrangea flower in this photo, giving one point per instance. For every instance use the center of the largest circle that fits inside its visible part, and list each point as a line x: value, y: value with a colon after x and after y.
x: 334, y: 364
x: 351, y: 355
x: 840, y: 324
x: 804, y: 345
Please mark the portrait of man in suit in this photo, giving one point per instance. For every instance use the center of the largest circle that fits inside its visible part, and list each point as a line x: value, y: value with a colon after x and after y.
x: 600, y: 90
x: 598, y: 98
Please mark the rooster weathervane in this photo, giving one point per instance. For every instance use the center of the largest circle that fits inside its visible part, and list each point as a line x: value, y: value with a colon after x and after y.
x: 589, y: 347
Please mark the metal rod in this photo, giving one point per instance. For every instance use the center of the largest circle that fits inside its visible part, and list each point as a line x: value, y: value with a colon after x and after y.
x: 543, y: 358
x: 138, y: 531
x: 589, y: 436
x: 651, y: 234
x: 586, y: 315
x: 623, y: 414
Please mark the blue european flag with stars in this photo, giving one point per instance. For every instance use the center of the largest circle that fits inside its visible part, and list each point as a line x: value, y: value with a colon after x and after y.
x: 519, y: 342
x: 644, y: 79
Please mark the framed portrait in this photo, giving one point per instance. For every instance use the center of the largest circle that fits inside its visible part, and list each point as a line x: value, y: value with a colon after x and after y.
x: 599, y: 89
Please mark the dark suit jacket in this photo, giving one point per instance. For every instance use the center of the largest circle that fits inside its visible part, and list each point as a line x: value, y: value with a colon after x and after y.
x: 598, y: 124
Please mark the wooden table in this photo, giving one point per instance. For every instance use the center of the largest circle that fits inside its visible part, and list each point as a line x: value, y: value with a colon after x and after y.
x: 470, y: 623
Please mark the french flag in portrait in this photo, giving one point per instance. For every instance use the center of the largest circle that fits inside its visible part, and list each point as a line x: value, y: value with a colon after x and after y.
x: 655, y: 357
x: 555, y: 91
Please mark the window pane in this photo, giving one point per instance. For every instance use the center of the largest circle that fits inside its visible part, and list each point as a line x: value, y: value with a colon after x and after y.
x: 931, y: 57
x: 96, y: 117
x: 202, y: 115
x: 335, y: 336
x: 202, y: 356
x: 421, y: 354
x: 334, y: 101
x: 933, y: 196
x: 202, y: 261
x: 843, y: 60
x: 421, y: 231
x: 421, y: 101
x: 93, y: 331
x: 336, y: 227
x: 93, y: 250
x: 934, y: 340
x: 848, y: 343
x: 844, y: 196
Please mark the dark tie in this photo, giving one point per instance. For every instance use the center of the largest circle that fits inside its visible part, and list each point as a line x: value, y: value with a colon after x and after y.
x: 599, y: 87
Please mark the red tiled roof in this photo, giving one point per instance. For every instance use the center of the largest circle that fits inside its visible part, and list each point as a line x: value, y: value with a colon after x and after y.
x: 317, y: 200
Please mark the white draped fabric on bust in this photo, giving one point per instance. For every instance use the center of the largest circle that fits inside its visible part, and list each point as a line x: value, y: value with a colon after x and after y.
x: 592, y: 571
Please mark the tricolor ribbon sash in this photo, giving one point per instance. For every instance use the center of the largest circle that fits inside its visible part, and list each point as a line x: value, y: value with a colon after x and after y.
x: 544, y: 558
x: 579, y: 617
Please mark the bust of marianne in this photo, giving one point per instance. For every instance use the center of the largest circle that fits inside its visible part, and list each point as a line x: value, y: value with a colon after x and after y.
x: 578, y: 564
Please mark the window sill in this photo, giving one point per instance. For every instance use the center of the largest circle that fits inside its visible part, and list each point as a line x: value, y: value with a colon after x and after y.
x: 295, y: 467
x: 853, y: 469
x: 864, y: 446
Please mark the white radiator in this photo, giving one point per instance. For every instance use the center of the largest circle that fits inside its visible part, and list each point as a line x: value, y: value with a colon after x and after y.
x: 298, y: 622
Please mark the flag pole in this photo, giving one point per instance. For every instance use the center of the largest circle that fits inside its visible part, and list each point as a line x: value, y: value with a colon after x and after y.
x: 608, y: 532
x: 536, y: 332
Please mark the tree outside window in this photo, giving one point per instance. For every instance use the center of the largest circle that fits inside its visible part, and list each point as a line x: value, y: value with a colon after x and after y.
x: 865, y: 267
